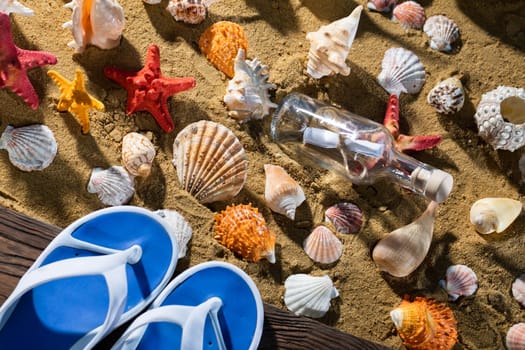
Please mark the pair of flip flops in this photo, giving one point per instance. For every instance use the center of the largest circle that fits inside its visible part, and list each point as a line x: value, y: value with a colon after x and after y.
x: 106, y: 268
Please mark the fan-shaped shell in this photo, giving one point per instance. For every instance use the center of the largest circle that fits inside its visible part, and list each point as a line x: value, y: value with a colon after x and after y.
x: 113, y: 186
x: 409, y: 14
x: 442, y: 32
x: 447, y: 96
x: 210, y: 161
x: 518, y: 289
x: 137, y: 154
x: 346, y: 217
x: 381, y: 5
x: 307, y: 295
x: 242, y: 229
x: 460, y: 281
x: 402, y: 71
x: 189, y: 11
x: 323, y: 246
x: 31, y: 147
x: 180, y: 227
x: 282, y: 193
x: 515, y: 339
x: 494, y: 214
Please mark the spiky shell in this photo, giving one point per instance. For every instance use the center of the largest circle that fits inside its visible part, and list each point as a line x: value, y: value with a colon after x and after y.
x: 494, y: 214
x: 31, y: 147
x: 137, y: 154
x: 346, y: 217
x: 189, y: 11
x: 515, y: 339
x: 180, y: 228
x: 447, y: 96
x: 113, y: 186
x: 442, y: 32
x: 499, y: 118
x: 402, y: 71
x: 518, y: 289
x: 460, y: 280
x: 307, y: 295
x: 425, y: 324
x: 330, y: 45
x: 381, y: 5
x: 282, y: 193
x: 13, y: 6
x: 409, y: 14
x: 242, y: 229
x: 220, y: 43
x: 323, y: 246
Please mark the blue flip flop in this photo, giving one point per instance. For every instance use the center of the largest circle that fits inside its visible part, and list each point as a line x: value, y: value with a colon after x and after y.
x: 98, y: 273
x: 213, y: 305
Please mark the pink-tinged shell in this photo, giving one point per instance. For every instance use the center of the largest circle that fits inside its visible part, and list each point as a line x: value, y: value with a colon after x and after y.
x: 518, y: 289
x: 442, y: 32
x: 515, y: 339
x: 381, y: 5
x: 189, y: 11
x: 137, y: 154
x: 282, y: 193
x: 460, y: 281
x: 323, y: 246
x: 346, y: 217
x: 410, y: 15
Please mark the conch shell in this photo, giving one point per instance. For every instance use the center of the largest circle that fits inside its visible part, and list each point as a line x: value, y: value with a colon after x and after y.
x: 494, y: 214
x: 283, y: 194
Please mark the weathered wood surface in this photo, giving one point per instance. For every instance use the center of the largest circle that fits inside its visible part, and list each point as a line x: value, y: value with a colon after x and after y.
x: 23, y: 238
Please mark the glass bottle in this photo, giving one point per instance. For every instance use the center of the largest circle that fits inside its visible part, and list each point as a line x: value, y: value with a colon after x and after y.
x: 353, y: 147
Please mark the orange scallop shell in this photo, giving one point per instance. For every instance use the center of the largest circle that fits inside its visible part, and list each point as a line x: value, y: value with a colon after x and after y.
x: 242, y: 229
x: 220, y: 43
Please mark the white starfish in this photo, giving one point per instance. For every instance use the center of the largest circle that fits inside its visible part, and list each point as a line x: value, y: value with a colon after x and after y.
x: 13, y: 6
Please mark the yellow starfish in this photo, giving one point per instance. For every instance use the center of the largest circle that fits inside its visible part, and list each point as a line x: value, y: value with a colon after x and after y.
x: 74, y: 98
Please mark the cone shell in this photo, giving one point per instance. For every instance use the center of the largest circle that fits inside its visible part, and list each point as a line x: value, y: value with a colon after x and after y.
x: 210, y: 161
x: 31, y: 147
x: 409, y: 14
x: 381, y: 5
x: 460, y: 281
x: 425, y: 324
x: 189, y: 11
x: 220, y: 44
x: 180, y: 227
x: 242, y: 229
x: 307, y: 295
x: 494, y: 214
x: 137, y: 154
x: 323, y: 246
x: 346, y: 217
x: 113, y: 186
x: 282, y: 193
x: 447, y: 96
x: 442, y: 32
x: 515, y: 339
x: 518, y: 290
x: 402, y: 71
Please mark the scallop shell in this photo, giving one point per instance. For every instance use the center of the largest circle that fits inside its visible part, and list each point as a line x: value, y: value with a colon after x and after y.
x: 329, y: 46
x: 425, y: 324
x: 460, y: 281
x: 13, y: 6
x: 180, y: 227
x: 210, y: 160
x: 402, y: 71
x: 113, y: 186
x: 381, y: 5
x: 95, y: 22
x: 282, y: 193
x: 307, y: 295
x: 500, y: 120
x: 247, y: 93
x: 494, y: 214
x: 220, y: 44
x: 518, y: 289
x: 323, y: 246
x: 409, y: 14
x: 137, y: 154
x: 447, y: 96
x: 31, y: 147
x: 442, y: 32
x: 346, y: 217
x: 515, y: 339
x: 242, y: 229
x: 189, y: 11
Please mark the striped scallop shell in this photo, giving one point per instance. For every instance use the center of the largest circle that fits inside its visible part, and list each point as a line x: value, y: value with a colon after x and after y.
x: 323, y: 246
x: 282, y: 193
x: 113, y: 186
x: 518, y: 289
x: 180, y: 227
x: 515, y: 339
x: 210, y: 161
x: 307, y: 295
x: 442, y: 32
x: 409, y: 14
x: 447, y: 96
x: 402, y: 71
x: 460, y: 281
x: 381, y: 5
x: 31, y: 147
x: 137, y: 154
x: 346, y: 217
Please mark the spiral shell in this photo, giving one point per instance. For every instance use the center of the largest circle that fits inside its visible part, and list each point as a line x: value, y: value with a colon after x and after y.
x: 460, y: 281
x: 494, y: 214
x: 447, y: 96
x: 402, y: 71
x: 518, y: 289
x: 381, y: 5
x: 409, y: 14
x: 189, y: 11
x: 282, y: 193
x: 180, y: 227
x: 346, y: 217
x: 442, y: 32
x: 307, y: 295
x: 323, y: 246
x: 515, y: 339
x: 113, y: 186
x: 137, y: 154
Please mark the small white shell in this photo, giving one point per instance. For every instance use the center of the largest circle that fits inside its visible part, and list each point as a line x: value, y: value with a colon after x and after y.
x: 13, y: 6
x: 515, y: 339
x: 137, y: 154
x: 188, y: 11
x: 518, y: 289
x: 282, y: 193
x: 442, y: 32
x: 180, y: 227
x: 447, y: 96
x: 309, y: 295
x: 494, y: 214
x: 323, y: 246
x: 459, y: 281
x: 402, y: 71
x: 31, y: 147
x: 114, y: 185
x: 381, y: 5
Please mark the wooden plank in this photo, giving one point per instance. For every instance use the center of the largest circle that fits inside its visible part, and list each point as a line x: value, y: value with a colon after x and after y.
x: 23, y: 238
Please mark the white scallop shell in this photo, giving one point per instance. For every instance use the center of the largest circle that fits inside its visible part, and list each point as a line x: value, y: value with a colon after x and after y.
x: 137, y: 154
x: 282, y: 193
x: 515, y: 339
x: 447, y: 96
x: 330, y: 45
x: 499, y: 117
x: 442, y: 32
x: 309, y: 295
x: 13, y: 6
x: 494, y: 214
x: 188, y: 11
x: 31, y: 147
x: 210, y: 161
x: 113, y: 186
x: 323, y: 246
x: 180, y: 227
x: 518, y: 289
x: 402, y: 71
x: 460, y: 280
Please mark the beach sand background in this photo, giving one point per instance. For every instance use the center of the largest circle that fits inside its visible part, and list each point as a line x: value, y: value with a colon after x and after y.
x: 491, y: 53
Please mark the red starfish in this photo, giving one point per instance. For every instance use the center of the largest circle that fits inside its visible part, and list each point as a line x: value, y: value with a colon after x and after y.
x: 148, y: 90
x: 14, y: 63
x: 404, y: 142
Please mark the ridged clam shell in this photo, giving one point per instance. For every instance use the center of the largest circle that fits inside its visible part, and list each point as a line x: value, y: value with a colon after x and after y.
x: 31, y: 147
x: 189, y: 11
x: 499, y: 117
x: 381, y: 5
x: 442, y: 32
x: 346, y: 217
x: 494, y: 214
x: 180, y: 227
x: 282, y: 193
x: 460, y: 281
x: 113, y: 186
x: 137, y: 154
x: 307, y: 295
x: 13, y: 6
x: 402, y: 71
x: 323, y: 246
x: 515, y: 339
x: 518, y: 289
x: 409, y: 14
x: 210, y: 161
x: 447, y: 96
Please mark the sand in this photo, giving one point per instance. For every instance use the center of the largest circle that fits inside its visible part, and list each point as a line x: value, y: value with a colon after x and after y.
x: 491, y: 53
